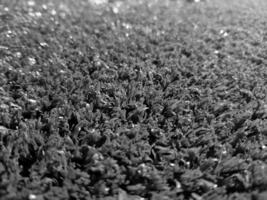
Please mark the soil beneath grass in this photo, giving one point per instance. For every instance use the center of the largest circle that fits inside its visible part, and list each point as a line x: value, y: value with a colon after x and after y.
x: 153, y: 100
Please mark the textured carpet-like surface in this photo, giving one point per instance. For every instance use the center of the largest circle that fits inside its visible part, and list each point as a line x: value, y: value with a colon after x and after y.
x: 117, y: 100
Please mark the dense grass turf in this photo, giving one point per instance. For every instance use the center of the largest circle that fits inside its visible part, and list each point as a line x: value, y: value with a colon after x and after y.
x: 122, y: 100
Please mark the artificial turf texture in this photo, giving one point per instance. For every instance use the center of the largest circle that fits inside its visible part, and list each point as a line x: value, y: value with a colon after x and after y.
x: 151, y: 100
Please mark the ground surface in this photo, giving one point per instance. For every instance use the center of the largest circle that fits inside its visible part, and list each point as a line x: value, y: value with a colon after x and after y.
x: 145, y: 100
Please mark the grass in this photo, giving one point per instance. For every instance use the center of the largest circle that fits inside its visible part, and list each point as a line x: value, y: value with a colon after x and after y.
x: 144, y: 100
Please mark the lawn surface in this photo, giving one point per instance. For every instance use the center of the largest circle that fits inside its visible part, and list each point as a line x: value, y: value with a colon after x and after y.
x: 155, y: 100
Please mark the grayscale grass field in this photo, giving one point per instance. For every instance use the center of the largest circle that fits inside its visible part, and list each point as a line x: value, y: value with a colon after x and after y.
x: 133, y: 100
